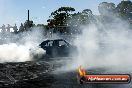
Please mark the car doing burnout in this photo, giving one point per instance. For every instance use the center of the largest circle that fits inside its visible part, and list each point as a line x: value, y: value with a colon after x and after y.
x: 57, y: 48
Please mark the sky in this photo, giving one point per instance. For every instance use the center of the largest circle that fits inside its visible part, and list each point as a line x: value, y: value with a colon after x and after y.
x: 15, y: 11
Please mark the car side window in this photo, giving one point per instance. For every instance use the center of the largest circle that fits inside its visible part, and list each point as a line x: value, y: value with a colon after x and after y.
x: 62, y: 43
x: 50, y: 43
x: 46, y: 44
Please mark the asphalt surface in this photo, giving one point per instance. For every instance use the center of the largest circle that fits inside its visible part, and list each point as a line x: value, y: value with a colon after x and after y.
x: 42, y: 74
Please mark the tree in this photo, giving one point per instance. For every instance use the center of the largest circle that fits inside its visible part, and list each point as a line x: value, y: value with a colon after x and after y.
x: 125, y: 10
x: 42, y: 26
x: 28, y: 24
x: 59, y: 17
x: 85, y: 17
x: 107, y: 12
x: 15, y: 29
x: 106, y: 9
x: 21, y: 28
x: 81, y: 18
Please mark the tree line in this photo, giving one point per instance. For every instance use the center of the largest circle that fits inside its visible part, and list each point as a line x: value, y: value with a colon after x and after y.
x: 64, y: 19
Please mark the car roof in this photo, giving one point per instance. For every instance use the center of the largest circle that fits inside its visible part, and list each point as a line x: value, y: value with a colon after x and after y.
x: 55, y: 40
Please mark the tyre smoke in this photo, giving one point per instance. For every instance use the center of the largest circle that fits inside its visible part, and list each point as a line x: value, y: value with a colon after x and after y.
x: 21, y: 47
x: 103, y: 45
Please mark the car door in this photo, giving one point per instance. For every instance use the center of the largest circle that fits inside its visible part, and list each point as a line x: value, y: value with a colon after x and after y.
x: 49, y: 47
x: 63, y: 48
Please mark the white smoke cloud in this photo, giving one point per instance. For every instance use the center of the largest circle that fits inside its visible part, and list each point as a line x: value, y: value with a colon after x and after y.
x: 106, y: 47
x: 21, y: 47
x: 103, y: 45
x: 13, y: 52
